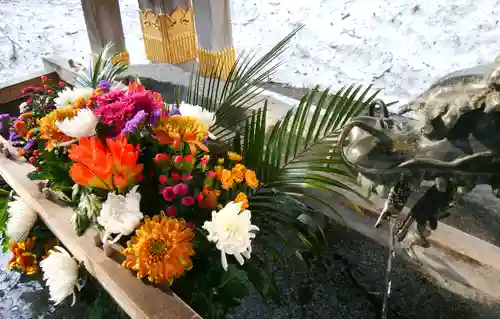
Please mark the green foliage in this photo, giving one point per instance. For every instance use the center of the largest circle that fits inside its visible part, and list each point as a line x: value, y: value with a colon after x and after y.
x: 294, y: 162
x: 101, y: 69
x: 5, y: 196
x: 54, y: 168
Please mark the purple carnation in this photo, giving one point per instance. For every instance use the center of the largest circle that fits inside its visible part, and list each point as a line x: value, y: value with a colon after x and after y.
x: 31, y: 142
x: 13, y: 136
x: 132, y: 124
x: 104, y: 85
x: 175, y: 111
x: 157, y: 114
x: 3, y: 119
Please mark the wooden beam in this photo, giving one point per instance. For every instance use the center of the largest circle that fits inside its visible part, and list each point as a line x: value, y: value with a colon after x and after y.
x: 168, y: 30
x: 215, y: 36
x: 104, y: 24
x: 12, y: 90
x: 136, y: 298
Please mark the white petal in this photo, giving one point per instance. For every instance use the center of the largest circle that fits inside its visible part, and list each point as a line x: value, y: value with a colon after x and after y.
x: 223, y: 260
x: 21, y: 218
x: 239, y: 258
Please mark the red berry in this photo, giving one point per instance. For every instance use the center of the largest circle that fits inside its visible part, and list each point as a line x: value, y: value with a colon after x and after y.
x: 204, y: 161
x: 171, y: 210
x: 44, y: 78
x: 32, y: 159
x: 49, y: 92
x: 200, y: 196
x: 139, y: 177
x: 36, y: 152
x: 160, y: 157
x: 45, y: 86
x: 62, y: 84
x: 188, y: 158
x: 178, y: 159
x: 163, y: 179
x: 211, y: 174
x: 28, y: 101
x: 175, y: 176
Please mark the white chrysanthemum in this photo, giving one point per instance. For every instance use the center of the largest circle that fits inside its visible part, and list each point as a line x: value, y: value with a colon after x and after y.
x: 83, y: 124
x: 60, y: 272
x: 120, y: 214
x: 66, y: 97
x: 23, y: 107
x: 232, y: 231
x: 21, y: 219
x: 198, y: 112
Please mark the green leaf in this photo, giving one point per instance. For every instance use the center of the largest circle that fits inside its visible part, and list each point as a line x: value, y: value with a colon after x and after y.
x: 233, y: 283
x: 101, y: 69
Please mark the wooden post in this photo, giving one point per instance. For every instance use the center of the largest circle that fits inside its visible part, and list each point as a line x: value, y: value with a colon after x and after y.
x: 168, y: 30
x: 104, y: 25
x: 215, y: 39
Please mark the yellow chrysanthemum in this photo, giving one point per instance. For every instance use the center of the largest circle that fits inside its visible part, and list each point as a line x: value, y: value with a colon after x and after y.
x: 48, y: 129
x: 22, y: 258
x: 174, y: 130
x: 161, y: 249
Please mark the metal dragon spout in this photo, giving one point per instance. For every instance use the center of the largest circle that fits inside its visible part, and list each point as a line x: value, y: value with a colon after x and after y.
x: 454, y: 144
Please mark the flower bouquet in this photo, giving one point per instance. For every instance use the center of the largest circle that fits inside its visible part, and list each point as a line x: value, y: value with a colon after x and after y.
x: 184, y: 188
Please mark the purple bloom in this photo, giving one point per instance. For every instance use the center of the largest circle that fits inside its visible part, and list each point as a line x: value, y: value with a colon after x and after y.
x: 157, y: 114
x: 205, y: 141
x: 132, y: 124
x: 104, y: 85
x: 31, y: 142
x: 3, y: 119
x: 175, y: 111
x: 13, y: 136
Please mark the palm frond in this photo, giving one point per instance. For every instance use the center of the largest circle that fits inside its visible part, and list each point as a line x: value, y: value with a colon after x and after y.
x: 102, y: 69
x: 230, y: 99
x: 299, y: 156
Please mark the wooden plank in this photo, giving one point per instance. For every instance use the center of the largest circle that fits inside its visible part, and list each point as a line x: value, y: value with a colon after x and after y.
x: 137, y: 299
x: 12, y: 90
x: 104, y: 24
x: 67, y: 70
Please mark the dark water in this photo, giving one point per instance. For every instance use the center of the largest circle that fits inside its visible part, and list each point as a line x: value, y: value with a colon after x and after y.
x: 25, y: 297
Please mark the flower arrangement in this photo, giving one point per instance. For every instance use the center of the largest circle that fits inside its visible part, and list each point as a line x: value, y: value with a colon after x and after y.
x: 186, y: 197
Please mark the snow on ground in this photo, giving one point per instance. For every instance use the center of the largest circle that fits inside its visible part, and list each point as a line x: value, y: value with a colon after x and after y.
x: 396, y: 45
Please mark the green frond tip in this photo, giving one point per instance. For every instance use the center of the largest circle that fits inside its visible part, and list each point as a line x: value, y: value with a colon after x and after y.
x: 230, y: 99
x: 101, y: 68
x: 299, y: 155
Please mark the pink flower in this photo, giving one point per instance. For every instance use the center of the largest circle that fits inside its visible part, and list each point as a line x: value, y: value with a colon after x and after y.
x: 187, y: 177
x: 187, y: 201
x: 181, y: 189
x: 168, y: 193
x: 171, y: 210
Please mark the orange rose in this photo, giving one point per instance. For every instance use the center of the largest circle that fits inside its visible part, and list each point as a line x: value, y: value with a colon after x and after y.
x: 218, y: 171
x: 238, y: 172
x: 226, y: 178
x: 251, y: 179
x: 242, y: 198
x: 234, y: 156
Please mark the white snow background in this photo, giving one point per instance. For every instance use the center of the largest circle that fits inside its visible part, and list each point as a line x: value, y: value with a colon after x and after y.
x: 397, y: 45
